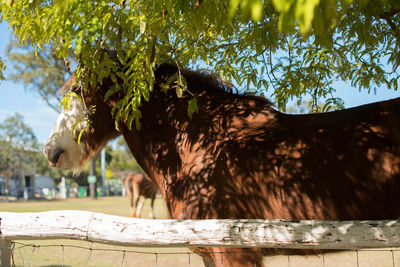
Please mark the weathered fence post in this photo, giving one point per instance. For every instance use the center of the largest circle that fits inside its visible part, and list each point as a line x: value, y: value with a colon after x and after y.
x: 5, y: 252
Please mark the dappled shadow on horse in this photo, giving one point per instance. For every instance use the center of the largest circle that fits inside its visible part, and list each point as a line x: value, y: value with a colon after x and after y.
x: 238, y: 157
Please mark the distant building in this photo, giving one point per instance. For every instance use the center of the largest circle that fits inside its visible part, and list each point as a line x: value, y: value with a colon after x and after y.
x: 28, y: 186
x: 2, y: 185
x: 18, y: 183
x: 39, y: 186
x: 42, y: 181
x: 18, y: 178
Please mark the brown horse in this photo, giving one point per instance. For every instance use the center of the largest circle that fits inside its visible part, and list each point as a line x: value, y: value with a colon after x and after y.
x: 139, y: 187
x: 238, y: 157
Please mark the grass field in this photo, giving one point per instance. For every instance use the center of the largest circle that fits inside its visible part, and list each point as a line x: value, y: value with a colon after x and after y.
x: 90, y: 254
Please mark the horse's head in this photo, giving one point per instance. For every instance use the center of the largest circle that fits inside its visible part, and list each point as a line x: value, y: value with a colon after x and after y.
x: 83, y: 127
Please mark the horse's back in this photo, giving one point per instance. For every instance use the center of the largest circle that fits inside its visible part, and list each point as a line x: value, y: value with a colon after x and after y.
x: 147, y: 187
x: 338, y: 165
x: 143, y: 183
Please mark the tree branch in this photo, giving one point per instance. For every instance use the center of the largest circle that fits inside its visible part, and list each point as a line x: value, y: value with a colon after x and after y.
x: 387, y: 16
x: 392, y: 12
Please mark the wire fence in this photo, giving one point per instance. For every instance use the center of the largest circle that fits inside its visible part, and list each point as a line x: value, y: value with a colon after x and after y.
x: 28, y: 254
x: 96, y: 239
x: 89, y: 254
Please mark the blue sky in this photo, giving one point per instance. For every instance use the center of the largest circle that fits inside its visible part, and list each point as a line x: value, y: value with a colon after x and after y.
x: 14, y: 98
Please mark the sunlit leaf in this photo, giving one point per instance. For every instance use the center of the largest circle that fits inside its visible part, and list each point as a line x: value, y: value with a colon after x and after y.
x: 193, y: 108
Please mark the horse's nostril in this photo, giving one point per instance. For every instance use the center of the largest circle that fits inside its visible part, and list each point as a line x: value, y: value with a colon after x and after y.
x: 56, y: 155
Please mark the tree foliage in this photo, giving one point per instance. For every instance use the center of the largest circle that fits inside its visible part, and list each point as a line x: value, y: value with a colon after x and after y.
x: 295, y: 48
x: 14, y: 130
x: 2, y: 68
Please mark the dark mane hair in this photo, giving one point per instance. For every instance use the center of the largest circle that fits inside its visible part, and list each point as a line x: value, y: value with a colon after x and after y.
x: 202, y: 81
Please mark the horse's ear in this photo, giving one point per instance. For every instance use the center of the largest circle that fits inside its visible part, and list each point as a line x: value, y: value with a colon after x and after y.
x: 70, y: 83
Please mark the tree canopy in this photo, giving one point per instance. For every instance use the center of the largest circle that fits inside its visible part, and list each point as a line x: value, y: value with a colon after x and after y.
x: 294, y: 48
x: 13, y: 129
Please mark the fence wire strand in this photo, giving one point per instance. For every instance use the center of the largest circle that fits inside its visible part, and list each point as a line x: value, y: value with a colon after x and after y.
x: 22, y: 257
x: 17, y: 246
x: 62, y: 263
x: 123, y: 258
x: 30, y: 257
x: 88, y: 258
x: 12, y: 254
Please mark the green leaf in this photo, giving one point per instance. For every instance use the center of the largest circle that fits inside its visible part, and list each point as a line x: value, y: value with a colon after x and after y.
x: 256, y: 10
x: 179, y: 91
x: 143, y: 25
x: 193, y: 108
x: 79, y: 42
x: 305, y: 13
x: 232, y: 7
x: 146, y: 94
x: 80, y: 136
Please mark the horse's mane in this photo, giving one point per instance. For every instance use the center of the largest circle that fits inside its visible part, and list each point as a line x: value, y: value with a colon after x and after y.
x: 203, y: 81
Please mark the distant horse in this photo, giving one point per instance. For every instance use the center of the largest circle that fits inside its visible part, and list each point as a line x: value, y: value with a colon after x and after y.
x: 238, y: 157
x: 139, y: 187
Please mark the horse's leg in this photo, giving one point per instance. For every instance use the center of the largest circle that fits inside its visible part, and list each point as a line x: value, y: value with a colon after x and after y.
x: 130, y: 197
x: 151, y: 213
x: 208, y: 261
x: 135, y: 189
x: 140, y: 206
x: 236, y: 257
x: 204, y: 253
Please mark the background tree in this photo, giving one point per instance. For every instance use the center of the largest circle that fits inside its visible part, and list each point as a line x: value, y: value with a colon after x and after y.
x: 294, y: 48
x: 2, y: 68
x: 14, y: 130
x: 40, y: 71
x: 19, y: 151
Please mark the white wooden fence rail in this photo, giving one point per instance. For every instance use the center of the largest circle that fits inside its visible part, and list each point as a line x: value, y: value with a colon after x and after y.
x: 123, y: 231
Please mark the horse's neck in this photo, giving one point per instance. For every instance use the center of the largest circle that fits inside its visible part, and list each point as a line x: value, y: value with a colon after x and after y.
x: 168, y: 135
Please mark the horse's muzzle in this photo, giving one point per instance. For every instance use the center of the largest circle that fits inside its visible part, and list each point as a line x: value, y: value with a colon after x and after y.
x: 53, y: 154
